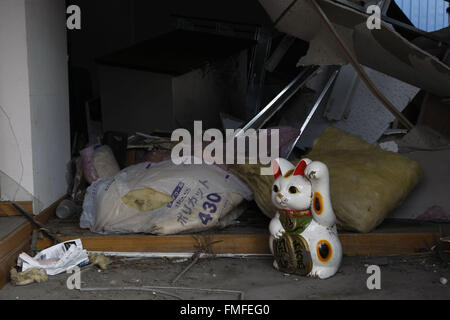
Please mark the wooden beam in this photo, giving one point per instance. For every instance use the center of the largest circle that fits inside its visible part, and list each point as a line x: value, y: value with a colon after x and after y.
x: 387, y: 244
x: 354, y: 244
x: 7, y: 209
x: 227, y: 243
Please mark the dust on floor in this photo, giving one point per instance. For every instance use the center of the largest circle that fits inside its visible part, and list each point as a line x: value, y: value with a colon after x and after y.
x: 402, y: 277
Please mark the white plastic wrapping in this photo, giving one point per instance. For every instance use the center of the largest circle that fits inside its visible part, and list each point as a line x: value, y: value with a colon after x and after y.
x: 200, y: 196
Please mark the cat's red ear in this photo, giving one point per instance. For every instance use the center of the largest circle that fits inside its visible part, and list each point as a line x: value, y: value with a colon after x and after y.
x: 276, y: 169
x: 300, y: 170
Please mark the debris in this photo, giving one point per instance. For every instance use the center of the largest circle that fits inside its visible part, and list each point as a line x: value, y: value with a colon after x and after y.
x: 423, y: 138
x: 98, y: 162
x: 362, y: 114
x: 280, y: 100
x: 443, y: 249
x: 34, y: 239
x: 383, y: 50
x: 181, y: 260
x: 278, y: 54
x: 435, y: 113
x: 195, y: 257
x: 443, y: 281
x: 240, y: 293
x: 100, y: 260
x: 153, y: 290
x: 76, y: 181
x: 434, y: 213
x: 319, y: 100
x: 37, y: 224
x: 391, y: 146
x: 118, y: 142
x: 202, y: 248
x: 29, y: 276
x: 56, y: 259
x: 67, y: 208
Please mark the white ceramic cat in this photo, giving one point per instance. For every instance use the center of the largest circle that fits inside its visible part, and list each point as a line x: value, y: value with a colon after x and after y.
x: 304, y: 238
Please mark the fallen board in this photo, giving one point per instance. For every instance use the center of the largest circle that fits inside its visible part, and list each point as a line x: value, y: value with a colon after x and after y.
x: 391, y: 238
x: 353, y: 244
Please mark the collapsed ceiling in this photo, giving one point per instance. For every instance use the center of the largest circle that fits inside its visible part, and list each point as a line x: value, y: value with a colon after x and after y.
x: 383, y: 49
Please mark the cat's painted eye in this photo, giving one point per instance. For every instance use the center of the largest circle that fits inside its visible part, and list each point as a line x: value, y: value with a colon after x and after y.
x: 293, y: 189
x: 275, y: 188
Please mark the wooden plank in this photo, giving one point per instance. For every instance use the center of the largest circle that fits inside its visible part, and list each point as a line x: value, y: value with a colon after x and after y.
x: 241, y: 244
x: 386, y: 244
x: 372, y: 244
x: 7, y: 209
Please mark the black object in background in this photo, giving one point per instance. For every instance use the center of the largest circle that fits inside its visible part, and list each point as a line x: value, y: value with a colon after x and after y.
x: 118, y: 142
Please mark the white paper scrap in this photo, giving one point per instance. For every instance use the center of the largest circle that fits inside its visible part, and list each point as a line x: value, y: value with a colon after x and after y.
x: 56, y: 259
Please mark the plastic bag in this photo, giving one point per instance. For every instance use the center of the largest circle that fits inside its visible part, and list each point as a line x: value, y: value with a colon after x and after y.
x: 98, y: 162
x: 162, y: 198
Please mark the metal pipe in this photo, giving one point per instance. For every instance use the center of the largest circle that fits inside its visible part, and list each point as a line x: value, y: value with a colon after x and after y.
x: 279, y: 101
x: 314, y: 108
x: 37, y: 224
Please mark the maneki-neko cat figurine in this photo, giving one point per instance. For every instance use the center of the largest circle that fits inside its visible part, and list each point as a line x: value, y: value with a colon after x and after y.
x: 304, y: 238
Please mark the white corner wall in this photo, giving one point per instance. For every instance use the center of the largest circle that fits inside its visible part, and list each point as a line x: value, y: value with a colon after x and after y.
x: 15, y: 119
x: 49, y: 97
x: 34, y: 96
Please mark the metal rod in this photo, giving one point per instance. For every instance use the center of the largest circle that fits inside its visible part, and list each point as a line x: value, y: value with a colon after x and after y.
x: 278, y: 102
x: 240, y: 293
x: 314, y: 108
x: 37, y: 224
x: 153, y: 290
x: 284, y: 12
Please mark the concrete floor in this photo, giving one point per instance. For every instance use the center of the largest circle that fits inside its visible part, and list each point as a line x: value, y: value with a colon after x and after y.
x: 416, y: 277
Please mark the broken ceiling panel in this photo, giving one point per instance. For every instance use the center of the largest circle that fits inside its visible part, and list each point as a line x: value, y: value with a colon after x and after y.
x: 365, y: 116
x: 384, y: 50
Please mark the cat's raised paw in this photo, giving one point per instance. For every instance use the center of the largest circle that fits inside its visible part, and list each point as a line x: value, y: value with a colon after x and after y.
x: 316, y: 170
